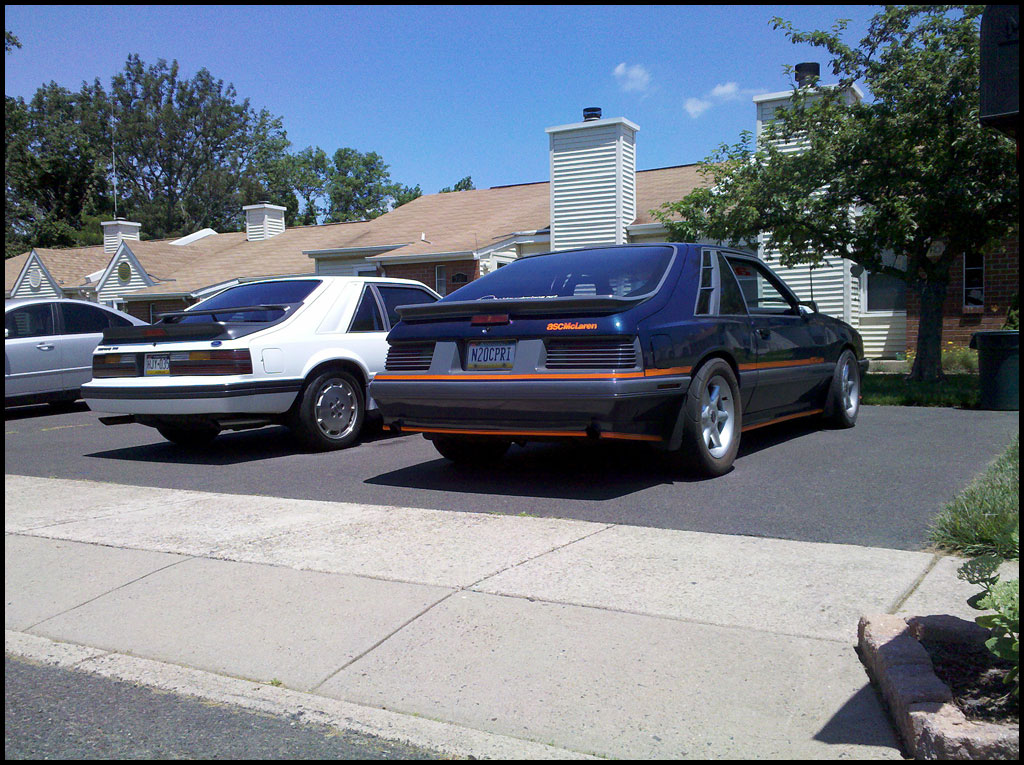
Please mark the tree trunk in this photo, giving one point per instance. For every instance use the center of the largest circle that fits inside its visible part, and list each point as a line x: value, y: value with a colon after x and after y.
x: 928, y: 358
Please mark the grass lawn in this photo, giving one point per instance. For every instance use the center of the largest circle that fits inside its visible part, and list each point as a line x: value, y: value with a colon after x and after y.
x: 959, y: 390
x: 985, y: 517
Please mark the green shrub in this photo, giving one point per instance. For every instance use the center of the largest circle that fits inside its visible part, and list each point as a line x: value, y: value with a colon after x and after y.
x: 1003, y: 598
x: 956, y: 359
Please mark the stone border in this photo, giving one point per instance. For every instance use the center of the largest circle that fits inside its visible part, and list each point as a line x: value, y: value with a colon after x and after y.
x: 931, y: 726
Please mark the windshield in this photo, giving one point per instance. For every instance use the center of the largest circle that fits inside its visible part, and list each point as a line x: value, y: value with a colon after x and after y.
x: 611, y: 271
x: 251, y: 295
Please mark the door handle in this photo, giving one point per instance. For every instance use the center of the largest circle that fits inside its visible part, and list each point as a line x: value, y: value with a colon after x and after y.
x: 45, y: 346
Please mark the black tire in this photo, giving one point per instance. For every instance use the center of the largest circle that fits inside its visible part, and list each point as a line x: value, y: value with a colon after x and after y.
x: 471, y: 451
x: 190, y: 437
x: 330, y: 411
x: 842, y: 403
x: 712, y: 420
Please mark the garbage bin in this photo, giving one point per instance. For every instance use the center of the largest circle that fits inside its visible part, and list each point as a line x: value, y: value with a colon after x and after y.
x: 998, y: 368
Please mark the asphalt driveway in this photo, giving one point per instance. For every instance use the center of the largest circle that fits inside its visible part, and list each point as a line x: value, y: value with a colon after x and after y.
x: 878, y: 484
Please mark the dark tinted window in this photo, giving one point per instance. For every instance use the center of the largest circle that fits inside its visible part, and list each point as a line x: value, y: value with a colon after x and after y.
x: 731, y: 299
x: 248, y: 295
x: 396, y: 296
x: 886, y: 293
x: 30, y: 321
x: 622, y: 272
x: 762, y: 291
x: 85, y: 319
x: 367, y: 317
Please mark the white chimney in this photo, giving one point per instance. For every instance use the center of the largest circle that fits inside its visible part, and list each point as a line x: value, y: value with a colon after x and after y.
x: 593, y: 181
x: 263, y: 220
x: 116, y: 230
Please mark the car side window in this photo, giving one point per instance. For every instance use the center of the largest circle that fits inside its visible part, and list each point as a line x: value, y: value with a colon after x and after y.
x: 86, y: 319
x: 763, y: 294
x: 731, y: 301
x: 396, y: 296
x: 30, y: 321
x: 367, y: 317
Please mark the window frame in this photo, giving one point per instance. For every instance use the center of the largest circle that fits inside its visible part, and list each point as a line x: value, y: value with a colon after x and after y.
x: 963, y: 289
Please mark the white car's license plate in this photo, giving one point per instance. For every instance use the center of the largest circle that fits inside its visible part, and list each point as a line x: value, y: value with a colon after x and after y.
x: 491, y: 355
x: 157, y: 364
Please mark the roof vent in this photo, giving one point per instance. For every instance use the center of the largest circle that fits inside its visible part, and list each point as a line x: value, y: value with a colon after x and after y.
x: 805, y: 72
x: 591, y: 113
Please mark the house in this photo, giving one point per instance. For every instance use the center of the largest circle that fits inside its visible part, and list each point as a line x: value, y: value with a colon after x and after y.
x: 594, y: 196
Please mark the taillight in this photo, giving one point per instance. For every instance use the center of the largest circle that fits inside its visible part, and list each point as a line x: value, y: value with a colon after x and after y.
x: 114, y: 365
x: 236, y: 362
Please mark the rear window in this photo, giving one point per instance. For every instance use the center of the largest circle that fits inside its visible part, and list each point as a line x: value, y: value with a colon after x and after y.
x: 611, y: 271
x: 251, y: 297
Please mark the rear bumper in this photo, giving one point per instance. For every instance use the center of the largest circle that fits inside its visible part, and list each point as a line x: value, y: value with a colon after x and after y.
x: 245, y: 397
x: 635, y: 407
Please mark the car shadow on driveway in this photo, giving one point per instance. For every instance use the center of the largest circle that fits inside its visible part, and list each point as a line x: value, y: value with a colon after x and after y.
x: 229, y: 448
x: 586, y: 470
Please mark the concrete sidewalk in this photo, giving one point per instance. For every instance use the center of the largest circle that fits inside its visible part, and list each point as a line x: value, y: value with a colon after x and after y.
x: 473, y: 634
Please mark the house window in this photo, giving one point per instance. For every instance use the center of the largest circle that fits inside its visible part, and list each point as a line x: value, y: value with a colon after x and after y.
x: 974, y: 281
x: 885, y: 293
x: 440, y: 282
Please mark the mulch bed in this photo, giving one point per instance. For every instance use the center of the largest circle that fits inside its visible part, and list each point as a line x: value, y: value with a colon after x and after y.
x: 976, y: 678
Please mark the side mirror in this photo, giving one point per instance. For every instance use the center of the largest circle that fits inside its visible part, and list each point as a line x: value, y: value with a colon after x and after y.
x: 809, y: 304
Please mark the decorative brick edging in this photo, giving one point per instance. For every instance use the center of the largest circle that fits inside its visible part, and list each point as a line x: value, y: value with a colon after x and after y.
x: 931, y: 726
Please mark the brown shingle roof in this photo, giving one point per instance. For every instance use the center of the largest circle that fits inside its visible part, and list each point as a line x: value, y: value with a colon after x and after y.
x: 462, y: 221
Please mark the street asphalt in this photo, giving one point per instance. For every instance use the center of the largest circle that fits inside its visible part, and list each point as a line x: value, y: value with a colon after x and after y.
x: 489, y: 635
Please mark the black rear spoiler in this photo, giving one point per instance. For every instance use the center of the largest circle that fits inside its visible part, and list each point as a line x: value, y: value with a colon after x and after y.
x: 155, y: 333
x: 574, y: 305
x: 168, y: 329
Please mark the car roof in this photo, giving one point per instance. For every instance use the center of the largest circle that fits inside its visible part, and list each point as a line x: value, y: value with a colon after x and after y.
x: 10, y: 303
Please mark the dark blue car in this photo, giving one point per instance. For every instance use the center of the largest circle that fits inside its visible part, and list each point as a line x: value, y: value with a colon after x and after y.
x: 684, y: 346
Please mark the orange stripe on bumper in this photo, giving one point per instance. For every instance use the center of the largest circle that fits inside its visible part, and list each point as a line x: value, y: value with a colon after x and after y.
x: 533, y: 433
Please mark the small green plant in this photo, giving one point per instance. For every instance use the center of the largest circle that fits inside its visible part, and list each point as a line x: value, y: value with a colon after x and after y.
x: 1013, y: 313
x: 1003, y: 598
x: 956, y: 359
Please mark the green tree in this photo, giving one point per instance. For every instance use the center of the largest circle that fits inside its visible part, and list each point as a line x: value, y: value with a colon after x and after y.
x: 466, y: 184
x: 55, y: 172
x: 403, y: 194
x: 309, y: 178
x: 189, y: 154
x: 10, y: 42
x: 909, y: 174
x: 359, y: 186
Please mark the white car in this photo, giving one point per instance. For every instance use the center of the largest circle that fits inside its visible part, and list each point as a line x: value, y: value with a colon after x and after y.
x: 298, y: 351
x: 48, y: 345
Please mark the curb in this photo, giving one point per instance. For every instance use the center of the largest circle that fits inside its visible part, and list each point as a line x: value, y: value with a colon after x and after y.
x: 931, y: 726
x: 450, y: 740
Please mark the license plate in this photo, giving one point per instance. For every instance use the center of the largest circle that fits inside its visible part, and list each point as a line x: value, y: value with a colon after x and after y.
x: 491, y: 355
x: 157, y: 364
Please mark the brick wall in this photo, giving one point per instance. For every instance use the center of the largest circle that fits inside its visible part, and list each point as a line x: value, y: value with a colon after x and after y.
x: 424, y: 272
x: 1002, y: 281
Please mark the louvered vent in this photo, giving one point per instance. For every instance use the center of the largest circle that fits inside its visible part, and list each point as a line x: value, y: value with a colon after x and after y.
x: 409, y: 357
x: 591, y: 354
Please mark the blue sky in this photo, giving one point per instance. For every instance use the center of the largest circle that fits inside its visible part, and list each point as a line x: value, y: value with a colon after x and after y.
x: 442, y: 92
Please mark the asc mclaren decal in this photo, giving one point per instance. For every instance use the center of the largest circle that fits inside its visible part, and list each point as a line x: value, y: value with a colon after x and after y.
x: 557, y: 326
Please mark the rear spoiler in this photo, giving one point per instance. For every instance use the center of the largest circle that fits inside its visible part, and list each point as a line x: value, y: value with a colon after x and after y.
x: 155, y: 333
x: 574, y: 305
x: 167, y: 327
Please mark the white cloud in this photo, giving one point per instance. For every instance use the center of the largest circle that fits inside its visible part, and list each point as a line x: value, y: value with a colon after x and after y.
x: 632, y: 78
x: 696, y: 107
x: 726, y: 91
x: 722, y: 92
